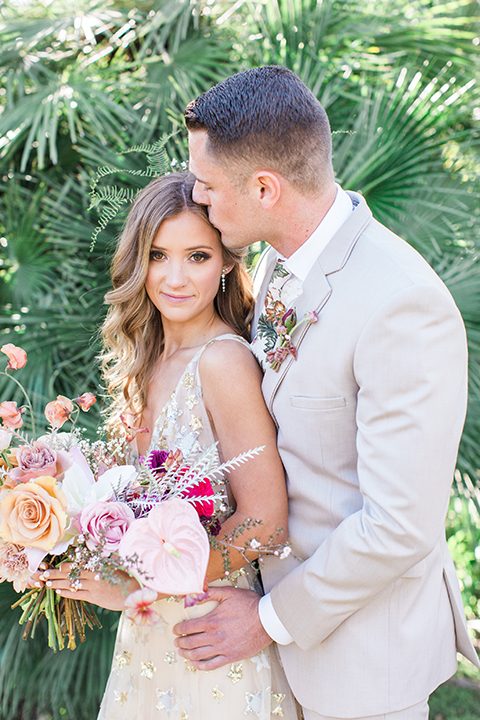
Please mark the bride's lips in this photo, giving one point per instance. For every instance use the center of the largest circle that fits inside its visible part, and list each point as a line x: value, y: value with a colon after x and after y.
x: 176, y: 298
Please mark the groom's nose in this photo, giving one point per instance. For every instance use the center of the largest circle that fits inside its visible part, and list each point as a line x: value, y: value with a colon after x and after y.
x: 199, y: 194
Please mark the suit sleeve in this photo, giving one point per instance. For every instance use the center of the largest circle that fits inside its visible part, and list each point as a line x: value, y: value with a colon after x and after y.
x: 410, y: 368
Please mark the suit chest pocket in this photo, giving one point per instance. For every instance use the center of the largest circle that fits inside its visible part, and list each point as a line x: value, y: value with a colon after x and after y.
x: 317, y: 403
x: 327, y: 424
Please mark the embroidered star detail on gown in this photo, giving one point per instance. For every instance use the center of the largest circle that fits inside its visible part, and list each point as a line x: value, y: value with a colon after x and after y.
x: 235, y: 673
x: 277, y: 700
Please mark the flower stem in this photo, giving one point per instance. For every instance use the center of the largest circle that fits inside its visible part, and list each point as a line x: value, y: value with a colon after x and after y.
x: 26, y: 398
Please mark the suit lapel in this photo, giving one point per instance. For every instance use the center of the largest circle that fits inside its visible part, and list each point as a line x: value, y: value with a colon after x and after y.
x: 317, y: 288
x: 316, y: 291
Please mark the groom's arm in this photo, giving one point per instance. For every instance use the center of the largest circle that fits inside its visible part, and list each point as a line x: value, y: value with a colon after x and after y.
x: 410, y: 368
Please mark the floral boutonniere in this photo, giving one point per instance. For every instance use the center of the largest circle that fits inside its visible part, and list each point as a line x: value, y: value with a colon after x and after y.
x: 285, y: 328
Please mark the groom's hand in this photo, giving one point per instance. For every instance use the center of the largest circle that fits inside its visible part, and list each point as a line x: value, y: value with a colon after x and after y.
x: 230, y: 632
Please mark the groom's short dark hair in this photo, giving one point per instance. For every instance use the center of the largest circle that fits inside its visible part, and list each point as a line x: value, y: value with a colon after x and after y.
x: 266, y: 118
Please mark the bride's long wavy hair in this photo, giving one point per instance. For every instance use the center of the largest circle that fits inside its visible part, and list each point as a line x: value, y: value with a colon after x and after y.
x: 132, y: 333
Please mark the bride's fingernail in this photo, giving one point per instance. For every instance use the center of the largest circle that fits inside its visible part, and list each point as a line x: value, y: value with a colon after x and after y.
x: 49, y: 583
x: 43, y: 566
x: 38, y: 584
x: 46, y: 574
x: 59, y: 592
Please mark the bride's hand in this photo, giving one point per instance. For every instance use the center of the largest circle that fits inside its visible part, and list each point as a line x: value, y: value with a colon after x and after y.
x: 89, y: 587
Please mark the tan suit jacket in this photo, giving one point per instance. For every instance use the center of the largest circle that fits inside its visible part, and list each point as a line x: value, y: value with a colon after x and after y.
x: 369, y: 419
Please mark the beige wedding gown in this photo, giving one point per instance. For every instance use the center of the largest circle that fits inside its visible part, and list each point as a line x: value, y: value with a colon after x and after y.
x: 149, y: 680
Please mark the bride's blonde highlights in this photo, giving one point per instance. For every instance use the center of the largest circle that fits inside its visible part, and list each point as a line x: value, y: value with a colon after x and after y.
x: 132, y: 332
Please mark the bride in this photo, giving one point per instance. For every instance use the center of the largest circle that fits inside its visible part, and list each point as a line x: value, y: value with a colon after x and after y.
x: 178, y: 363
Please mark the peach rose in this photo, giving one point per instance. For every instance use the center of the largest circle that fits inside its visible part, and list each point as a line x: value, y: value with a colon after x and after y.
x: 86, y: 401
x: 17, y: 358
x: 33, y: 514
x: 11, y: 415
x: 58, y: 411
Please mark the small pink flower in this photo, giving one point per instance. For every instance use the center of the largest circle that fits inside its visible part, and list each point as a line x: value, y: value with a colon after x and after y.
x: 311, y: 316
x: 195, y: 598
x: 86, y: 401
x: 127, y: 421
x: 14, y: 565
x: 58, y: 411
x: 281, y: 329
x: 11, y: 415
x: 290, y: 319
x: 17, y: 358
x: 138, y: 607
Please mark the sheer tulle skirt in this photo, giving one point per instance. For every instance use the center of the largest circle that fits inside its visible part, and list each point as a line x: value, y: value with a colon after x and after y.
x: 150, y: 680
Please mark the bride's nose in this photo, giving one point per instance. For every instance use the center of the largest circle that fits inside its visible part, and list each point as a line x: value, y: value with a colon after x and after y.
x: 176, y: 275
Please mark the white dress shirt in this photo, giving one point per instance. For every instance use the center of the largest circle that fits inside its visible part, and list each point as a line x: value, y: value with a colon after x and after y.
x: 300, y: 264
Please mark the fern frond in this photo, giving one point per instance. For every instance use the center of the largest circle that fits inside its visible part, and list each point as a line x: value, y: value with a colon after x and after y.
x: 236, y: 461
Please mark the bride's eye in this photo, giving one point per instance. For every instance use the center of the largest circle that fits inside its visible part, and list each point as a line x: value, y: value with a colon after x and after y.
x: 199, y: 256
x: 156, y: 255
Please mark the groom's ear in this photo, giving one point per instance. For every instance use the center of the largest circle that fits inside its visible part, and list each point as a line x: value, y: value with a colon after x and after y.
x: 266, y: 188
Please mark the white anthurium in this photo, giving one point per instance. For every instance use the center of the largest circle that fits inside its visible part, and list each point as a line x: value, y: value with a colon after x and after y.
x: 80, y: 487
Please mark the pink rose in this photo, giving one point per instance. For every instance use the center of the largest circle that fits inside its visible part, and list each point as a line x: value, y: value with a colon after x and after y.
x: 105, y: 522
x: 172, y: 547
x: 17, y: 358
x: 38, y: 459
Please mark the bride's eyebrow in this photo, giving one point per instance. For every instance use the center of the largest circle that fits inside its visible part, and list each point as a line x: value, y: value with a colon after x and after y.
x: 190, y: 249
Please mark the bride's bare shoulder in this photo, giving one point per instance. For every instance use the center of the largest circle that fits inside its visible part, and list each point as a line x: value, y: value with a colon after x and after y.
x: 228, y: 359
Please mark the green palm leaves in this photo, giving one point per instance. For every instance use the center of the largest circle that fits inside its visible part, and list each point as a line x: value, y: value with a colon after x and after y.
x: 81, y: 83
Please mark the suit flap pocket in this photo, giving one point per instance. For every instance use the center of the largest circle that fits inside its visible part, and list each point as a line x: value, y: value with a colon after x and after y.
x: 317, y: 403
x: 416, y: 571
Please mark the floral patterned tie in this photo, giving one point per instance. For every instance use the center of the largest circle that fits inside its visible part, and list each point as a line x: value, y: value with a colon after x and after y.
x: 283, y: 289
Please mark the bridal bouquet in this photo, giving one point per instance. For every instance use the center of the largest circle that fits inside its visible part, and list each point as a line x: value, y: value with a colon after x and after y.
x: 66, y: 499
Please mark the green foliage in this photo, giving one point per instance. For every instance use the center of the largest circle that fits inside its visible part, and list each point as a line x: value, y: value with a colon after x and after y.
x: 463, y: 536
x: 34, y: 680
x: 81, y: 84
x: 455, y: 702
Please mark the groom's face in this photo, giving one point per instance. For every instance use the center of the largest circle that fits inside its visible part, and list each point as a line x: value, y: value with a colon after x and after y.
x: 230, y: 209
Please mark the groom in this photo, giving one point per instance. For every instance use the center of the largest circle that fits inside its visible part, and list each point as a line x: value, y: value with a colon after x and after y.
x: 369, y: 417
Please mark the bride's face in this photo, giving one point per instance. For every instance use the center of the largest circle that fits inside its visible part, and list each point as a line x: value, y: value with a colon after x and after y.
x: 185, y: 268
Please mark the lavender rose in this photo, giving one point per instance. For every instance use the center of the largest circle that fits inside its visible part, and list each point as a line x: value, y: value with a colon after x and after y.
x: 106, y: 523
x: 37, y: 460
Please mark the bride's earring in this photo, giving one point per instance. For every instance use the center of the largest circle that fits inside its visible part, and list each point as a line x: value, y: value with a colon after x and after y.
x: 223, y: 280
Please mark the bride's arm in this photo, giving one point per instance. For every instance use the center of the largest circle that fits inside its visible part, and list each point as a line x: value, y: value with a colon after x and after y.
x: 231, y: 381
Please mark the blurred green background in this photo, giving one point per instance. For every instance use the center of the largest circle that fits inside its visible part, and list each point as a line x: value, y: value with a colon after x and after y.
x: 81, y: 83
